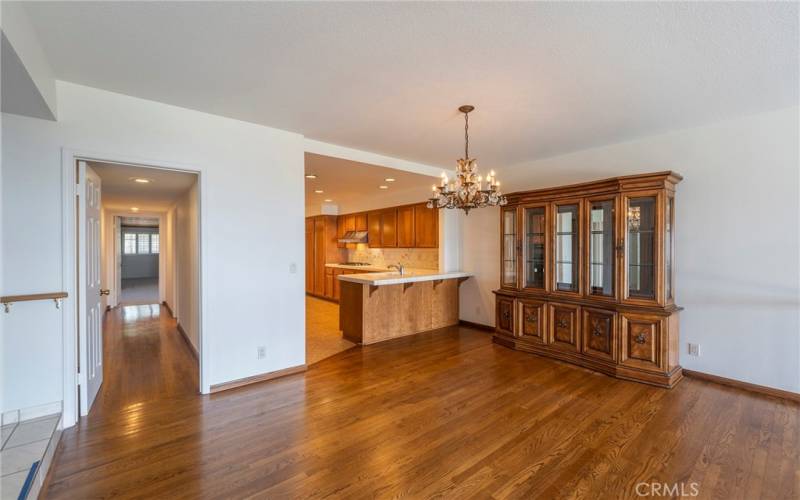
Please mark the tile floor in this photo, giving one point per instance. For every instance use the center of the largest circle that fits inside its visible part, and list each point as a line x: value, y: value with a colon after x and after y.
x: 323, y: 337
x: 23, y: 444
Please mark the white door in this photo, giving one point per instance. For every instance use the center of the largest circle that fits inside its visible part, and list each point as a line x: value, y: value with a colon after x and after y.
x: 90, y: 331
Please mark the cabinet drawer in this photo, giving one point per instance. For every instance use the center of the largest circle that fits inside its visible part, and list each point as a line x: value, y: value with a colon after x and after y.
x: 505, y: 315
x: 532, y: 320
x: 642, y: 342
x: 600, y: 334
x: 564, y: 326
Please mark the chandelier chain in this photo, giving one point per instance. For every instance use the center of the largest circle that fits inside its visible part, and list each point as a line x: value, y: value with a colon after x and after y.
x: 466, y: 136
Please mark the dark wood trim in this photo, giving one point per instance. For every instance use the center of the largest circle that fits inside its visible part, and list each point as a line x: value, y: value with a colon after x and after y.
x: 233, y: 384
x: 477, y: 326
x: 169, y: 309
x: 188, y: 342
x: 747, y: 386
x: 34, y: 296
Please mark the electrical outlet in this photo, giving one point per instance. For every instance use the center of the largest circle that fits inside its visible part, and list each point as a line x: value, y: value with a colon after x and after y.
x: 262, y: 351
x: 694, y: 349
x: 293, y: 268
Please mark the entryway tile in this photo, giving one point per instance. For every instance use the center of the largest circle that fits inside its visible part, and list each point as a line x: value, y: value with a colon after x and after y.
x: 33, y: 430
x: 20, y: 458
x: 11, y: 485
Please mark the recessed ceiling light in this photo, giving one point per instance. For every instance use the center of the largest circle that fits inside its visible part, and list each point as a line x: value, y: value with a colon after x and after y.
x: 311, y: 176
x: 328, y: 200
x: 140, y: 180
x: 318, y: 191
x: 134, y: 209
x: 383, y: 187
x: 389, y: 179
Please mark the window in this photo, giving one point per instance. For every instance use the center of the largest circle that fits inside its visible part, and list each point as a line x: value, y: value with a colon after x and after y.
x: 140, y: 243
x: 130, y: 243
x: 143, y: 243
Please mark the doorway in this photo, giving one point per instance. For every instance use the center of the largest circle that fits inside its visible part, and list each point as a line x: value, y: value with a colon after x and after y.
x: 140, y: 241
x: 138, y: 250
x: 341, y: 197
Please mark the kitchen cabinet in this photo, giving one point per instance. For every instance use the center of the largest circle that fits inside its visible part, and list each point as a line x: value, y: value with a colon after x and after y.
x: 374, y: 226
x: 321, y: 248
x: 426, y: 226
x: 361, y: 222
x: 389, y: 227
x: 594, y: 262
x: 405, y: 227
x: 344, y: 224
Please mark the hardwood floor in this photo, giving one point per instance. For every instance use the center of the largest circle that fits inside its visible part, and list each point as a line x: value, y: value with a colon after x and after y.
x: 445, y: 414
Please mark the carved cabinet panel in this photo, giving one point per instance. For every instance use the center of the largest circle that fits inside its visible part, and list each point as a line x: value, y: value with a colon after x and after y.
x: 505, y: 315
x: 600, y: 333
x: 642, y: 341
x: 564, y: 326
x: 532, y: 320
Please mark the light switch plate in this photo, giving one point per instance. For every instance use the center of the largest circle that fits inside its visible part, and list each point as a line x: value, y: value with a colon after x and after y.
x: 694, y: 349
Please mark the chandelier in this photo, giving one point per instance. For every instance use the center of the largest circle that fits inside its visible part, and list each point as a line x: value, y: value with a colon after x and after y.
x: 467, y: 190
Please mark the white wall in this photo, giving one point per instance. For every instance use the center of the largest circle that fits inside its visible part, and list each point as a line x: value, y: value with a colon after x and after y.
x: 186, y: 263
x: 737, y: 238
x: 252, y: 188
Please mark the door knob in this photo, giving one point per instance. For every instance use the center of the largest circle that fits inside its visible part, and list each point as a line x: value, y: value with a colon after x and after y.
x: 104, y: 291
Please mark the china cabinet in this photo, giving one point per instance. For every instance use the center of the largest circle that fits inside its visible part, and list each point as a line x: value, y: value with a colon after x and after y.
x: 587, y: 276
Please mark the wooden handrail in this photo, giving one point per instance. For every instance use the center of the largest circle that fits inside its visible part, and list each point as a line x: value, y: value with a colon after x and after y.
x: 55, y: 296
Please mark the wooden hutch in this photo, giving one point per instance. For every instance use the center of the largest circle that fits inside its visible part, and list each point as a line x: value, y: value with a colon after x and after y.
x: 587, y: 276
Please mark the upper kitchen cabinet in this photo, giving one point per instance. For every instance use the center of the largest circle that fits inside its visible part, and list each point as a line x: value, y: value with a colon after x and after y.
x: 345, y: 224
x: 426, y: 227
x: 382, y: 228
x: 389, y: 227
x: 407, y: 226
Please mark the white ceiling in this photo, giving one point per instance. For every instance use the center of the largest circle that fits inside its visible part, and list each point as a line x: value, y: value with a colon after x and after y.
x: 120, y: 192
x: 349, y: 183
x: 546, y: 77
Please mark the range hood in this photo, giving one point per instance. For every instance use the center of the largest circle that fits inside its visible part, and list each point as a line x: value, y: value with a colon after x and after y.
x: 354, y: 237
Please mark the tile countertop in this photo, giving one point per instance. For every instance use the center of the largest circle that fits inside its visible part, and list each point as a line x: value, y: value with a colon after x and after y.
x: 377, y: 269
x: 394, y: 278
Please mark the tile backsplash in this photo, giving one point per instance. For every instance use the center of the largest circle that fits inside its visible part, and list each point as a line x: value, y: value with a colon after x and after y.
x: 414, y: 258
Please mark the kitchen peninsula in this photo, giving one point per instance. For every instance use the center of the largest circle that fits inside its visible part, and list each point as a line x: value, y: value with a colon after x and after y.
x: 382, y: 306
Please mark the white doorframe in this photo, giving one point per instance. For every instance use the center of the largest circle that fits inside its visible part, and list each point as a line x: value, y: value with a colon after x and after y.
x: 69, y: 276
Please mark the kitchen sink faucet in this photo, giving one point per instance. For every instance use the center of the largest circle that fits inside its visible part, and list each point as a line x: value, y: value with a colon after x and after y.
x: 400, y: 268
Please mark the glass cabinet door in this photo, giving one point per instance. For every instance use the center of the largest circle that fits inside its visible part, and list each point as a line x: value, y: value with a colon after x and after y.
x: 567, y: 247
x: 601, y: 247
x: 509, y: 255
x: 535, y: 223
x: 669, y: 247
x: 641, y: 247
